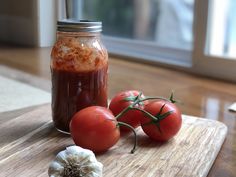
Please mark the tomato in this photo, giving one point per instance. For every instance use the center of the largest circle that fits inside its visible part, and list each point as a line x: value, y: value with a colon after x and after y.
x: 169, y: 123
x: 94, y: 128
x: 121, y: 101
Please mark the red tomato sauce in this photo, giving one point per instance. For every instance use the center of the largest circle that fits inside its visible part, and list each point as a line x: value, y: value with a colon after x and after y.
x: 73, y: 91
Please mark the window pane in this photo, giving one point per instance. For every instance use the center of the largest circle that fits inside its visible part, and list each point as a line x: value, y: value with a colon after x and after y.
x: 166, y: 23
x: 222, y: 25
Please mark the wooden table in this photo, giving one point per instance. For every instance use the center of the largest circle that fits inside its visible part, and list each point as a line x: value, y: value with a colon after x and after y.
x: 202, y: 97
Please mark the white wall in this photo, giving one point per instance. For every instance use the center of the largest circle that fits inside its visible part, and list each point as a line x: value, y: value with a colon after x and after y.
x: 47, y: 22
x: 28, y: 22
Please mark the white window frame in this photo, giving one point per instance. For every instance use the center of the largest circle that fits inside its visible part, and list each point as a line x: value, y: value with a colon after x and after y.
x: 213, y: 66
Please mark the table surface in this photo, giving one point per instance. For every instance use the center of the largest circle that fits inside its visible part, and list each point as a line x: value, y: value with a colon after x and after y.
x: 200, y: 96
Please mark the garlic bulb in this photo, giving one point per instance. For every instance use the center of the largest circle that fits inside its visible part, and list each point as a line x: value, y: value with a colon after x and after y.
x: 75, y: 162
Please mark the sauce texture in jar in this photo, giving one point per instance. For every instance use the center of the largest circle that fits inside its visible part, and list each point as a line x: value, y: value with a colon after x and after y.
x: 79, y: 64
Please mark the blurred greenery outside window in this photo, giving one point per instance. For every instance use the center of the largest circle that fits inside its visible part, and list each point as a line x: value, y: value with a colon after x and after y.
x: 166, y: 23
x: 119, y: 17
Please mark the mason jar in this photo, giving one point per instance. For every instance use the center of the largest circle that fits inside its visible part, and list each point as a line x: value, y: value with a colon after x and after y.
x: 79, y: 65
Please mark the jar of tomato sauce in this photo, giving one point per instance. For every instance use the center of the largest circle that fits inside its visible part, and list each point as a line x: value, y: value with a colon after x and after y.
x: 79, y: 64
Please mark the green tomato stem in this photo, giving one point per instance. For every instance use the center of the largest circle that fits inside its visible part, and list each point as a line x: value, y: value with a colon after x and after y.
x: 123, y: 112
x: 145, y: 112
x: 154, y: 98
x: 127, y: 109
x: 135, y: 135
x: 154, y: 119
x: 138, y: 100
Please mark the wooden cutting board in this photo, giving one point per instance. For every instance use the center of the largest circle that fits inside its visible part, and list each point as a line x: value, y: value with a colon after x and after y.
x: 29, y: 143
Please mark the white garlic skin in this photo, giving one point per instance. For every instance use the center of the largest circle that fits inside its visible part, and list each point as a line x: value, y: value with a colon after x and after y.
x: 84, y: 159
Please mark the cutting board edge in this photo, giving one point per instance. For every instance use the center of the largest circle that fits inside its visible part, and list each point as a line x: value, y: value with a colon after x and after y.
x: 184, y: 116
x: 225, y: 130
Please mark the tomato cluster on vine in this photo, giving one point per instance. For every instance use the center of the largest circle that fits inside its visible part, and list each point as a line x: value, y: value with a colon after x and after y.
x: 98, y: 128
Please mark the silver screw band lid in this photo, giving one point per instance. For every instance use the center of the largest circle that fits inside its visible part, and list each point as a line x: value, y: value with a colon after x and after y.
x: 69, y: 25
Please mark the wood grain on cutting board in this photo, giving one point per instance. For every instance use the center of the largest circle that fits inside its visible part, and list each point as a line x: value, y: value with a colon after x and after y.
x: 28, y: 149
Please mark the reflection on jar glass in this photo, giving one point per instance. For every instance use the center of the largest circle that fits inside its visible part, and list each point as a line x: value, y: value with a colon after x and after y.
x: 79, y: 64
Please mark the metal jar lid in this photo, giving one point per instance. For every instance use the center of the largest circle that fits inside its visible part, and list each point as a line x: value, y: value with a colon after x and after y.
x: 79, y: 26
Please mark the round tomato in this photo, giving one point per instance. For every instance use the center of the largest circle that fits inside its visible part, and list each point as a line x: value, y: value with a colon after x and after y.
x: 94, y: 128
x: 120, y: 102
x: 167, y: 123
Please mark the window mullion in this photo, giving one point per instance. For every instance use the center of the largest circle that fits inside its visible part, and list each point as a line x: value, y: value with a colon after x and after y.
x: 200, y: 32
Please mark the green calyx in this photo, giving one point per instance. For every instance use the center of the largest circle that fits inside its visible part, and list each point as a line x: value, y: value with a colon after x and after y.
x: 133, y: 98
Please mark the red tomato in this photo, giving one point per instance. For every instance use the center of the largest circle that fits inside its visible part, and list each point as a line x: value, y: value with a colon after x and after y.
x: 94, y: 128
x: 121, y: 101
x: 168, y: 126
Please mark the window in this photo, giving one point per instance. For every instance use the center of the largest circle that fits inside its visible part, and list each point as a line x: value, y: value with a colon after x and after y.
x: 197, y: 35
x: 154, y: 21
x: 143, y: 29
x: 214, y: 39
x: 221, y: 26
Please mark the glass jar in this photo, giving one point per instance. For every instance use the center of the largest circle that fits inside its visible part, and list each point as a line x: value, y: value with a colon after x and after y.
x: 79, y: 64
